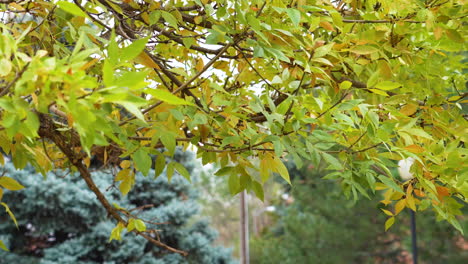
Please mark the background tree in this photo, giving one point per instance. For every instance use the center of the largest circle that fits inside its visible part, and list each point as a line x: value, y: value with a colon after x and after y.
x: 358, y: 84
x: 61, y: 222
x: 322, y: 226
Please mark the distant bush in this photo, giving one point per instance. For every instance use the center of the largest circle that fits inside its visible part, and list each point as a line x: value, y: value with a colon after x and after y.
x: 321, y: 226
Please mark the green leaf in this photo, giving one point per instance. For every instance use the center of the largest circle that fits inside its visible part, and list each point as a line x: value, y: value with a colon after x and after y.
x: 71, y: 8
x: 159, y: 165
x: 2, y: 246
x: 387, y: 85
x: 281, y: 169
x: 10, y: 183
x: 169, y: 18
x: 345, y: 85
x: 294, y: 15
x: 390, y: 183
x: 258, y: 190
x: 334, y: 162
x: 5, y: 67
x: 323, y: 50
x: 170, y: 170
x: 140, y: 225
x: 167, y: 97
x: 234, y: 185
x: 169, y: 142
x: 134, y: 49
x: 142, y: 161
x: 132, y: 108
x: 154, y: 17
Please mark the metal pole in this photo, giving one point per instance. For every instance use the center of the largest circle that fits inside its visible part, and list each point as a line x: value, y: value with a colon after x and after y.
x: 244, y: 222
x: 413, y: 237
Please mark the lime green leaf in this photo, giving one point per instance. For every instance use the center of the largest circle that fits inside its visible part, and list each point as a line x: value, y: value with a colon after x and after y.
x: 71, y: 8
x: 127, y: 182
x: 363, y: 50
x: 387, y: 85
x: 389, y: 223
x: 345, y: 85
x: 182, y: 170
x: 167, y: 97
x: 12, y: 216
x: 131, y: 224
x: 140, y: 225
x: 2, y: 246
x: 294, y: 15
x: 142, y: 161
x: 116, y: 233
x: 134, y: 49
x: 10, y: 183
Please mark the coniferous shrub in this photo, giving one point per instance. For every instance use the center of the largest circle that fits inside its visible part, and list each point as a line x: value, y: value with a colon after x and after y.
x: 61, y: 221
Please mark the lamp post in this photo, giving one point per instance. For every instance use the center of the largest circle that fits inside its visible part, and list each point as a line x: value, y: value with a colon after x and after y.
x: 404, y: 167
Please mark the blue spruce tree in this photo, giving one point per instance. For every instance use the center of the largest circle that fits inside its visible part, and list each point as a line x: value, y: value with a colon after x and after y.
x: 61, y: 221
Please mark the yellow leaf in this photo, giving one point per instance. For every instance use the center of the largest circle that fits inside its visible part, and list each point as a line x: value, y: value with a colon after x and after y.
x: 199, y: 66
x: 122, y: 175
x: 326, y: 25
x: 380, y: 186
x: 89, y: 64
x: 387, y: 212
x: 410, y: 202
x: 127, y: 183
x: 10, y: 184
x: 125, y: 164
x: 1, y: 194
x: 414, y: 149
x: 409, y: 109
x: 438, y: 32
x: 399, y: 206
x: 87, y: 162
x: 442, y: 191
x: 146, y: 60
x: 386, y: 202
x: 389, y: 223
x: 2, y: 246
x: 419, y: 193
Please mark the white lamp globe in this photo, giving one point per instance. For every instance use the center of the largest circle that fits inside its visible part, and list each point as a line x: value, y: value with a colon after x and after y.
x: 404, y: 167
